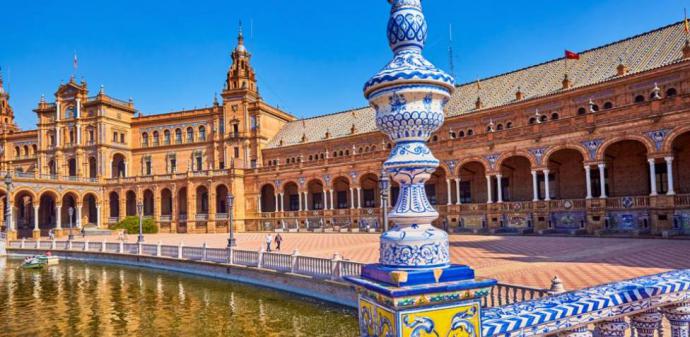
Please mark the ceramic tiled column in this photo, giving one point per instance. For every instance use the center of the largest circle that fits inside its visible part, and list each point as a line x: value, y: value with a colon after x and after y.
x: 613, y: 328
x: 679, y: 317
x: 414, y: 290
x: 647, y: 323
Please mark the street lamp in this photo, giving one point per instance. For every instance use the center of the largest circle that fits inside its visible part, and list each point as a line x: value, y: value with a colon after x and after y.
x: 228, y: 202
x: 140, y: 212
x: 70, y: 212
x: 8, y: 219
x: 384, y: 184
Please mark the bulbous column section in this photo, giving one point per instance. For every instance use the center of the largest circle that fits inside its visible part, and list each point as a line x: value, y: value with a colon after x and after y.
x: 409, y: 95
x: 679, y: 317
x: 613, y: 328
x: 647, y: 323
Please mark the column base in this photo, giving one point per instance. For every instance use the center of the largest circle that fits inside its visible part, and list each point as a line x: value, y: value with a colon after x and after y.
x: 395, y: 302
x: 11, y: 235
x: 59, y: 232
x: 36, y: 234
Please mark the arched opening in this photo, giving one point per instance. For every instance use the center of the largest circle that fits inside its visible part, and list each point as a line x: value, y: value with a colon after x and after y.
x: 182, y: 210
x: 627, y: 170
x: 118, y: 166
x: 341, y: 189
x: 89, y: 210
x: 190, y: 135
x: 69, y: 201
x: 47, y: 217
x: 671, y: 92
x: 72, y: 167
x: 268, y: 198
x: 148, y: 203
x: 316, y: 195
x: 144, y: 139
x: 23, y: 213
x: 166, y: 202
x: 567, y: 169
x: 201, y: 200
x: 291, y: 197
x: 369, y: 184
x: 130, y: 203
x: 436, y: 188
x: 516, y: 180
x: 114, y: 205
x: 221, y: 195
x: 681, y: 163
x: 93, y: 173
x: 473, y: 183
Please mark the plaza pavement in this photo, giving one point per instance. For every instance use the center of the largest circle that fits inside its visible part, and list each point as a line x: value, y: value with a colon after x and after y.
x: 526, y: 260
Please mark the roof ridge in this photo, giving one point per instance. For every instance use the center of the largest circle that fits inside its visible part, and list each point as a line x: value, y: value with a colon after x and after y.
x: 330, y: 114
x: 561, y: 58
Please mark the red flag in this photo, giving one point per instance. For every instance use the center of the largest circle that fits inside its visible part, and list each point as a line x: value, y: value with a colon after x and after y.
x: 571, y: 55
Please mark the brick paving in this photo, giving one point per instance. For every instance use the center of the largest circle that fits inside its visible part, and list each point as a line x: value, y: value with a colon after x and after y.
x: 527, y: 260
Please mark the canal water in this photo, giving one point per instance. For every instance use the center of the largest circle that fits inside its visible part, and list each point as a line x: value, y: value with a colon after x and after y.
x: 76, y: 299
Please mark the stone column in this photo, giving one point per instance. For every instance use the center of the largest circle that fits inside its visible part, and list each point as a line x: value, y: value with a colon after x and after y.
x: 126, y: 173
x: 602, y: 180
x: 258, y: 204
x: 306, y: 200
x: 282, y: 202
x: 450, y: 196
x: 499, y: 188
x: 325, y: 205
x: 332, y: 205
x: 37, y: 231
x: 77, y: 221
x: 277, y: 199
x: 488, y: 190
x: 99, y: 221
x: 547, y: 191
x: 647, y: 323
x: 588, y: 176
x: 669, y: 173
x: 652, y: 176
x: 457, y: 191
x: 58, y: 216
x: 535, y: 186
x: 613, y: 328
x: 359, y: 197
x: 352, y: 198
x: 679, y: 317
x: 299, y: 195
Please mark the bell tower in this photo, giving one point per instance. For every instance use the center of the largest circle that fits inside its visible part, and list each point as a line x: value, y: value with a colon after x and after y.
x: 241, y: 78
x: 7, y: 124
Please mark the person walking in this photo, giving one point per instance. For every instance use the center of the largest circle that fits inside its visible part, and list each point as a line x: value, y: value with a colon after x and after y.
x: 278, y: 240
x: 269, y: 239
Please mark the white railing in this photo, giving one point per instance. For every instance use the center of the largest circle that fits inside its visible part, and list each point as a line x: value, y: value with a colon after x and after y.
x: 335, y: 268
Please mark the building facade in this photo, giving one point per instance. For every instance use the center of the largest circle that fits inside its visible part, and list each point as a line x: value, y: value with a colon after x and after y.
x: 599, y: 145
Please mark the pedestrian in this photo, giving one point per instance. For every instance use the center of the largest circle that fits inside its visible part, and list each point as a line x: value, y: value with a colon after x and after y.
x: 51, y: 234
x: 269, y: 239
x: 278, y: 240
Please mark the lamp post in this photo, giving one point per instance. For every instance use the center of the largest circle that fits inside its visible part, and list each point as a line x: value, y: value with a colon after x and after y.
x: 8, y: 218
x: 70, y: 212
x: 228, y: 202
x: 140, y: 212
x: 384, y: 183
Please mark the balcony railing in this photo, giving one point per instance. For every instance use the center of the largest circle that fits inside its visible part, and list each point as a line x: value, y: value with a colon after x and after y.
x: 627, y: 202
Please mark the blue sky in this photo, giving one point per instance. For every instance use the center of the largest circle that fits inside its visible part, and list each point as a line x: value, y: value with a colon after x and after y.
x: 312, y: 57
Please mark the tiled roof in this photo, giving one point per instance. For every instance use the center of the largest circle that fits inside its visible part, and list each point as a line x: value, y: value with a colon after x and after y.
x: 639, y: 53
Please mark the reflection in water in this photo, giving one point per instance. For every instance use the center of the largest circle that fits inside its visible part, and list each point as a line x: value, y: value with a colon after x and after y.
x: 74, y: 299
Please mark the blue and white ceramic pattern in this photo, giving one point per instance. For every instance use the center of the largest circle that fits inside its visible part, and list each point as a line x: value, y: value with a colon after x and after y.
x: 409, y: 95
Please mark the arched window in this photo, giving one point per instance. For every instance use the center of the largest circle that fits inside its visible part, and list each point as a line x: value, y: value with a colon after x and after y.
x: 26, y: 150
x: 581, y: 111
x: 470, y: 132
x: 461, y: 134
x: 608, y: 105
x: 594, y: 108
x: 202, y: 133
x: 166, y: 137
x: 17, y: 152
x: 70, y: 112
x: 671, y: 92
x: 499, y: 127
x: 34, y: 149
x: 452, y: 135
x: 543, y: 118
x: 155, y: 138
x: 178, y: 136
x: 389, y: 146
x: 509, y: 125
x: 639, y: 99
x: 434, y: 138
x: 190, y: 135
x: 554, y: 116
x: 532, y: 120
x: 144, y: 139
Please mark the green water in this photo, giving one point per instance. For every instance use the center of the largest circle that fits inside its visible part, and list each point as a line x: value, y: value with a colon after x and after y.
x: 75, y: 299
